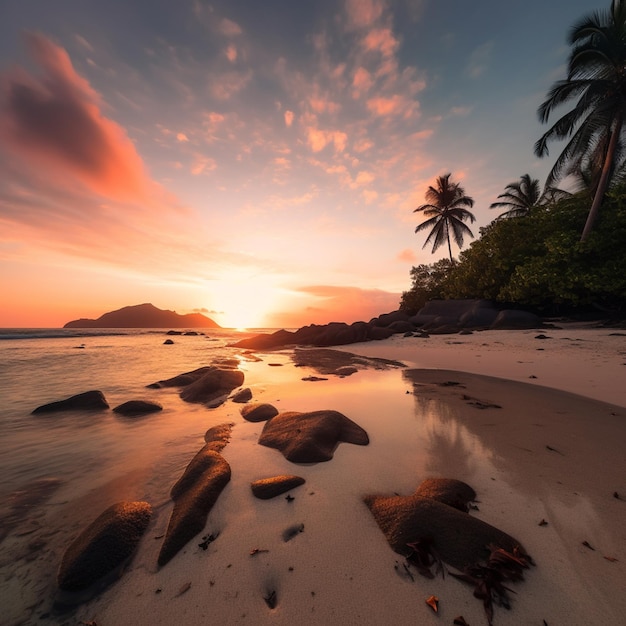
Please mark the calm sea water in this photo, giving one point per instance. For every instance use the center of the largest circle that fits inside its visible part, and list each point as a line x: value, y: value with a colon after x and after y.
x: 43, y: 365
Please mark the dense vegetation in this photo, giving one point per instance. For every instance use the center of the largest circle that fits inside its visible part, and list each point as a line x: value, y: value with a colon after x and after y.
x: 538, y: 261
x: 534, y: 255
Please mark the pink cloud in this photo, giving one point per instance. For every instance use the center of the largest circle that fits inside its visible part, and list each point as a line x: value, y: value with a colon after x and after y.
x: 362, y: 82
x: 319, y: 139
x: 288, y: 118
x: 55, y: 121
x: 231, y: 53
x: 407, y: 256
x: 230, y: 28
x: 363, y: 13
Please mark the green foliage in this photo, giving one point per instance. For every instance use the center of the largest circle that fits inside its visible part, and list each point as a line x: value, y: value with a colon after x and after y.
x: 428, y: 282
x: 537, y: 261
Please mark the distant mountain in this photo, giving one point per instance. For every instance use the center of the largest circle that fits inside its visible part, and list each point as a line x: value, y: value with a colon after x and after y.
x: 145, y: 316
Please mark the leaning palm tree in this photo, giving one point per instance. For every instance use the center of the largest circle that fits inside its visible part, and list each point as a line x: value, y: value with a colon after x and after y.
x: 597, y: 78
x: 519, y: 198
x: 446, y: 211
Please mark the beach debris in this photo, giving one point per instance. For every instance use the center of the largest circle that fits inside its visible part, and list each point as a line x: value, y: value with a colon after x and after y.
x: 258, y: 412
x: 194, y: 495
x: 532, y: 376
x: 267, y: 488
x: 104, y: 546
x: 289, y: 498
x: 159, y: 590
x: 207, y: 539
x: 616, y: 495
x: 433, y: 603
x: 311, y: 437
x: 404, y: 571
x: 87, y: 401
x: 542, y: 336
x: 460, y: 621
x: 256, y: 551
x: 480, y: 404
x: 502, y: 566
x: 588, y: 545
x: 313, y: 379
x: 554, y: 450
x: 275, y: 364
x: 271, y: 599
x: 543, y: 523
x: 183, y: 589
x: 423, y: 556
x: 611, y: 559
x: 292, y: 531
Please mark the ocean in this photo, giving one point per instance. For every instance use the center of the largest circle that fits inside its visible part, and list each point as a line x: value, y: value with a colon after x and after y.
x: 55, y: 468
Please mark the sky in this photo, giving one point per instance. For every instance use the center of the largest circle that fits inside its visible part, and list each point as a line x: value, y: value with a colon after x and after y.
x: 258, y: 162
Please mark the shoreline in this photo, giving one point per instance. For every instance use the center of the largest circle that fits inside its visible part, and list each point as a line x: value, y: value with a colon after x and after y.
x: 532, y: 449
x: 534, y: 453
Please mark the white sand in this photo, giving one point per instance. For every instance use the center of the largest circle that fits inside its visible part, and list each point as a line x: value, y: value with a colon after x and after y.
x: 343, y: 570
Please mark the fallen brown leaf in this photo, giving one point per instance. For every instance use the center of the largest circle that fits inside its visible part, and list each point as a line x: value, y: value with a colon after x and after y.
x: 433, y: 603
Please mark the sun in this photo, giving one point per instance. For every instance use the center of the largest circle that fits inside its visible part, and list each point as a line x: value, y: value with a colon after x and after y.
x: 244, y: 301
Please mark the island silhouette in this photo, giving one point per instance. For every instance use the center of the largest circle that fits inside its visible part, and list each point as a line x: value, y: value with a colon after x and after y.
x: 145, y: 316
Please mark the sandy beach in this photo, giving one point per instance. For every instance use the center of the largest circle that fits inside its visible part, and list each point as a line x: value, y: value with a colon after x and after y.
x: 535, y: 426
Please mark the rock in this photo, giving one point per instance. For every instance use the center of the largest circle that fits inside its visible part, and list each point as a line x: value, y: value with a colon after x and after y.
x: 377, y: 333
x: 168, y: 342
x: 454, y: 493
x: 243, y: 395
x: 311, y: 437
x: 194, y: 496
x: 89, y: 400
x: 212, y: 385
x: 217, y: 437
x: 458, y: 538
x: 137, y: 407
x: 191, y: 333
x: 174, y: 332
x: 258, y: 412
x: 388, y: 319
x: 346, y: 371
x: 181, y: 380
x: 267, y: 488
x: 514, y: 320
x: 401, y: 327
x: 104, y: 545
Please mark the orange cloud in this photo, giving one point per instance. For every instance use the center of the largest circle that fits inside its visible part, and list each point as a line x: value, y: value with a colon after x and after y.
x: 231, y: 53
x: 288, y: 118
x: 329, y: 303
x: 319, y: 139
x: 381, y: 40
x: 55, y: 121
x: 362, y: 82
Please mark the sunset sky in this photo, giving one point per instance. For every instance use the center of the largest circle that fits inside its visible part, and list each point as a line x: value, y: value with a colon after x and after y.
x: 255, y: 161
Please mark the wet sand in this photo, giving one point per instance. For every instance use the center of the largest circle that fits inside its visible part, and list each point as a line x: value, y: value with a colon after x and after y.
x: 547, y: 465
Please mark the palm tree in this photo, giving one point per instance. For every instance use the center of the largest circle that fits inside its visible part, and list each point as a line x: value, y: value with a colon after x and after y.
x: 519, y: 197
x: 446, y: 212
x: 597, y: 77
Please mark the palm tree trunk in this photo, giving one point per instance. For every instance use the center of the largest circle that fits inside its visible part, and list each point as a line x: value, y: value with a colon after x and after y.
x: 449, y: 246
x: 604, y: 179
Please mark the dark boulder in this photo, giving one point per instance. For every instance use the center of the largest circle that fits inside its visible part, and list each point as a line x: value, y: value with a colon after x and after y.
x: 258, y: 412
x: 217, y: 437
x: 243, y: 395
x: 386, y: 319
x: 181, y: 380
x: 460, y: 539
x: 454, y: 493
x: 311, y: 437
x: 168, y: 342
x: 267, y: 488
x: 137, y: 407
x: 376, y: 333
x: 401, y: 326
x: 194, y: 495
x: 213, y: 385
x: 106, y: 544
x: 516, y: 320
x: 89, y: 400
